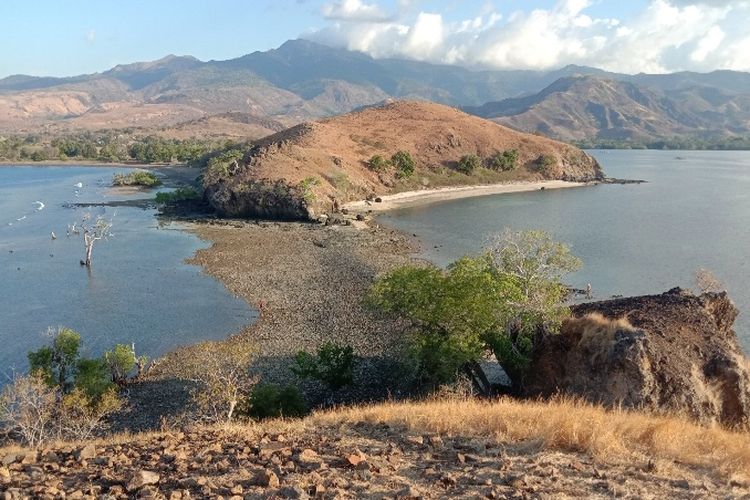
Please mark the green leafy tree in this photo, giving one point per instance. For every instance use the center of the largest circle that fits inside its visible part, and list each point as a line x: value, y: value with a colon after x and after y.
x: 404, y: 163
x: 448, y: 312
x: 332, y: 365
x: 57, y: 362
x: 499, y: 300
x: 468, y: 163
x: 120, y: 362
x: 378, y: 164
x: 507, y: 161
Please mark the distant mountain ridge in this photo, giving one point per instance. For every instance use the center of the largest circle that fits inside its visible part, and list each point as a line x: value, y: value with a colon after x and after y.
x: 303, y: 80
x: 595, y: 108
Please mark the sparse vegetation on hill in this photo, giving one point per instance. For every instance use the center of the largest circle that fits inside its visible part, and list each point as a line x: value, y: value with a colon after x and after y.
x: 395, y: 147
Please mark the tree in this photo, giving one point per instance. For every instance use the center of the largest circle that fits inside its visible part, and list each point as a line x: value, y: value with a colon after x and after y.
x: 222, y: 372
x: 447, y: 312
x: 531, y: 265
x: 378, y: 164
x: 333, y: 365
x: 505, y: 161
x: 93, y: 232
x: 468, y: 163
x: 404, y: 163
x: 498, y: 300
x: 57, y: 362
x: 120, y: 362
x: 27, y: 408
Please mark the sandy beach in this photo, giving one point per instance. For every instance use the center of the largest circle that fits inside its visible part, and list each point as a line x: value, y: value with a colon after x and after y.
x: 426, y: 196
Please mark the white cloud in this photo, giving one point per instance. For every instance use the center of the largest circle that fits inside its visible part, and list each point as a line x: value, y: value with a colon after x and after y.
x: 668, y: 35
x: 353, y: 10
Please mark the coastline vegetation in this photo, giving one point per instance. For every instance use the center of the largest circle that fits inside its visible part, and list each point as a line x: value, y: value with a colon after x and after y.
x: 498, y: 301
x: 183, y: 193
x: 122, y: 146
x: 141, y: 178
x: 674, y: 143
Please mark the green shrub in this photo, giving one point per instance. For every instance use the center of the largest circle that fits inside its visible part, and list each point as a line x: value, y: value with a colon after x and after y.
x: 507, y: 161
x: 378, y: 164
x: 544, y: 162
x: 404, y: 163
x: 222, y: 166
x: 120, y: 361
x: 467, y: 164
x: 136, y: 178
x: 333, y: 365
x: 274, y: 401
x: 499, y: 300
x: 306, y: 186
x: 186, y: 193
x: 56, y: 363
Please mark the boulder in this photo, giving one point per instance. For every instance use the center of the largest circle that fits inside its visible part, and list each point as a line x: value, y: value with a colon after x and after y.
x: 673, y: 352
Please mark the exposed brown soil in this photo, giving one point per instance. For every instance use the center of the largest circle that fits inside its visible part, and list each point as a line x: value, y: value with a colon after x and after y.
x: 336, y: 153
x: 419, y: 450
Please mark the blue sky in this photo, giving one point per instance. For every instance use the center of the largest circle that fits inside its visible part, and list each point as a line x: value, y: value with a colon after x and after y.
x: 47, y: 37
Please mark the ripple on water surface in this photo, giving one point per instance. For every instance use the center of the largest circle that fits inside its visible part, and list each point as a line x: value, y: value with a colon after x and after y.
x: 139, y: 290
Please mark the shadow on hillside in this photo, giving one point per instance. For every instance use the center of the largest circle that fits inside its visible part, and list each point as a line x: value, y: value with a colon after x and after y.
x: 151, y: 404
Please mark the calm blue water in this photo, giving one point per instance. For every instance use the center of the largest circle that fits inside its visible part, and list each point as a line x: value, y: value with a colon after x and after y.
x: 633, y: 239
x: 139, y: 289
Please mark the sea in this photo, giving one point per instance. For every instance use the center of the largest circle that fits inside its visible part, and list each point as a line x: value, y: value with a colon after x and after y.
x: 692, y: 213
x: 139, y: 290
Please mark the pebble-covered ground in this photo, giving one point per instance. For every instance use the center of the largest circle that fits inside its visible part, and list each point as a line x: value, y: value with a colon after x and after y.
x: 309, y: 282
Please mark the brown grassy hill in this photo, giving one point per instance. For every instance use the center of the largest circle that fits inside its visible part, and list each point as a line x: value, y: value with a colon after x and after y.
x: 436, y: 449
x: 329, y: 159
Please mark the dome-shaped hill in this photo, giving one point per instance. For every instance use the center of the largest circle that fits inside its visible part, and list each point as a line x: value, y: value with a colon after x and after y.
x: 299, y: 172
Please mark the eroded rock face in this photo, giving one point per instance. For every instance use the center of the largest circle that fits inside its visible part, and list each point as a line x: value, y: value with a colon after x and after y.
x: 263, y: 199
x: 672, y: 352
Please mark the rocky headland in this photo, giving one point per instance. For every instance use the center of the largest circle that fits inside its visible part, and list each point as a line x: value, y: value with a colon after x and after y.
x: 310, y: 169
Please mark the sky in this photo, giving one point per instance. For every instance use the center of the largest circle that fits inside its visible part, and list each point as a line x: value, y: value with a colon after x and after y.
x: 56, y: 38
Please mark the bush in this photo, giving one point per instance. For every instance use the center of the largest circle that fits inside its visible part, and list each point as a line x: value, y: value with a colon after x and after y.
x: 222, y: 165
x: 142, y: 178
x: 499, y: 300
x: 544, y: 162
x: 180, y: 194
x: 404, y: 163
x: 222, y: 373
x: 120, y: 361
x: 333, y: 365
x: 378, y: 164
x: 507, y: 161
x: 467, y: 164
x: 306, y: 187
x: 273, y: 401
x: 57, y: 362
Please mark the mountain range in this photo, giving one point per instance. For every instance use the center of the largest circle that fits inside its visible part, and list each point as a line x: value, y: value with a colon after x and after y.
x: 263, y: 92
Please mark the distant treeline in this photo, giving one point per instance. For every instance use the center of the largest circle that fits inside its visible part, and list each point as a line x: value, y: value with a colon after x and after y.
x: 679, y: 143
x: 109, y: 147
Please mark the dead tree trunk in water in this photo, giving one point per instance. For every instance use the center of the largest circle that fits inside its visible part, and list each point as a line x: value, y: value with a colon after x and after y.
x: 93, y: 233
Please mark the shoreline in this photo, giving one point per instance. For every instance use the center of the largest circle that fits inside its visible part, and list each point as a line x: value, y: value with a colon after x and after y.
x: 87, y: 163
x: 428, y: 196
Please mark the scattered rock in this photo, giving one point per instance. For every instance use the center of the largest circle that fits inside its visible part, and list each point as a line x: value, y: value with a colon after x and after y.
x: 267, y: 479
x: 142, y: 478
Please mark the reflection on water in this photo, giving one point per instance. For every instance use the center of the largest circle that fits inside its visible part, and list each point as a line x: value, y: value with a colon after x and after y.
x: 139, y: 289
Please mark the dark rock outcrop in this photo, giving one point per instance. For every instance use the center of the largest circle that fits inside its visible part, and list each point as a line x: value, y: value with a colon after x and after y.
x: 674, y: 352
x: 263, y: 199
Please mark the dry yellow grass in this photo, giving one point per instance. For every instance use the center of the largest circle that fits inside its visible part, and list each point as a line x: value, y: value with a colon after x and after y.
x: 609, y: 436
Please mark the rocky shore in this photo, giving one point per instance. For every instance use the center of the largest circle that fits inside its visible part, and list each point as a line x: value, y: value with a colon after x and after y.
x: 308, y: 282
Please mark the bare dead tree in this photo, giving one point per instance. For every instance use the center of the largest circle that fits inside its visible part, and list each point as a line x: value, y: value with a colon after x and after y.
x: 93, y: 231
